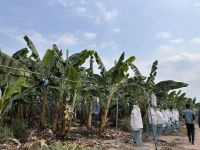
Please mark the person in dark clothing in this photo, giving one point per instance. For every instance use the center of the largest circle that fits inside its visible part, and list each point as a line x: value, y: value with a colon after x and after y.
x: 189, y: 117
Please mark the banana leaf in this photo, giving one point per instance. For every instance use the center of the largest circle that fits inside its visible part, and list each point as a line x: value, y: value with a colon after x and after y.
x: 170, y: 85
x: 32, y: 48
x: 11, y: 66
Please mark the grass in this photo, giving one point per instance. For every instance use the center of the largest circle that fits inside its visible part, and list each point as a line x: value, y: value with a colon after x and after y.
x: 5, y: 133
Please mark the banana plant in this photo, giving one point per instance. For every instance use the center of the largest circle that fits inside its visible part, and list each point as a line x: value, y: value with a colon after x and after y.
x: 146, y: 84
x: 169, y: 85
x: 175, y: 99
x: 68, y: 80
x: 90, y: 88
x: 11, y: 92
x: 40, y: 73
x: 86, y: 91
x: 13, y: 74
x: 109, y: 82
x: 11, y: 66
x: 150, y: 83
x: 166, y: 92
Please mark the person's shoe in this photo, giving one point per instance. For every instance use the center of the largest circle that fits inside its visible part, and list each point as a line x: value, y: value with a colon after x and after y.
x: 190, y: 140
x: 192, y: 143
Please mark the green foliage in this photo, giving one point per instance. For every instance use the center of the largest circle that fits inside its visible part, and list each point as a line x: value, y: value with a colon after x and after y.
x: 125, y: 124
x: 10, y: 90
x: 151, y: 78
x: 33, y: 49
x: 73, y: 75
x: 18, y: 128
x: 79, y: 58
x: 117, y: 73
x: 7, y: 79
x: 47, y: 59
x: 138, y: 78
x: 170, y: 85
x: 100, y: 63
x: 12, y: 66
x: 5, y: 132
x: 14, y: 88
x: 67, y: 78
x: 21, y: 53
x: 59, y: 146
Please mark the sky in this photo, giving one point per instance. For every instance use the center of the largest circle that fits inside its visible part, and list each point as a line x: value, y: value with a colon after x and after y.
x: 163, y: 30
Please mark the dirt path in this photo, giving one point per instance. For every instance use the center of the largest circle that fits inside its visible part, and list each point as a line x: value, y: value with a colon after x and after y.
x: 173, y: 142
x: 182, y: 142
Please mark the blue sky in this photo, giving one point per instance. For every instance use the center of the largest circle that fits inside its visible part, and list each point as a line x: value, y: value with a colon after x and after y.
x: 166, y: 30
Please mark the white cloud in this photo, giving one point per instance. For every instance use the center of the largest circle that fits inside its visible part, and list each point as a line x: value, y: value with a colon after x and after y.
x: 197, y: 4
x: 12, y: 33
x: 164, y: 48
x: 81, y: 10
x: 37, y: 37
x: 111, y: 44
x: 144, y: 67
x: 68, y: 3
x: 196, y: 40
x: 16, y: 34
x: 163, y: 35
x: 180, y: 4
x: 117, y: 30
x: 67, y: 39
x: 65, y: 3
x: 90, y: 35
x: 107, y: 15
x: 177, y: 41
x: 84, y: 2
x: 182, y: 67
x: 92, y: 46
x: 189, y: 57
x: 97, y: 20
x: 173, y: 46
x: 93, y: 10
x: 110, y: 15
x: 20, y: 9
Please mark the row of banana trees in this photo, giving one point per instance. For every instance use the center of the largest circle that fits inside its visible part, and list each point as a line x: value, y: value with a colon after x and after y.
x: 52, y: 89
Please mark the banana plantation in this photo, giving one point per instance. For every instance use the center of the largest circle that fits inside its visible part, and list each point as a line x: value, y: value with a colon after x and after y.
x: 57, y: 92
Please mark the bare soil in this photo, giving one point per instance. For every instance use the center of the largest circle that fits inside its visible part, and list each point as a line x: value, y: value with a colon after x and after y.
x: 167, y: 142
x: 109, y: 140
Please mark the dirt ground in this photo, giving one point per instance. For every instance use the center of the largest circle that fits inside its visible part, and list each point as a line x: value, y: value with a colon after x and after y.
x: 109, y: 140
x: 167, y: 142
x: 182, y: 142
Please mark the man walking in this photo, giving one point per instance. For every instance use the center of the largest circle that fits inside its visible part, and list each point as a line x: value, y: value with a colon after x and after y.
x: 189, y: 117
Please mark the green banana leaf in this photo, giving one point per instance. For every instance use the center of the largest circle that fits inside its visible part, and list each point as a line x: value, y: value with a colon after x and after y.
x: 101, y: 65
x: 10, y: 90
x: 11, y: 66
x: 32, y: 48
x: 170, y: 85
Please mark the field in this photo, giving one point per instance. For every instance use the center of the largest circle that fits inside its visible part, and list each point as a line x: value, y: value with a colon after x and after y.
x: 61, y: 102
x: 109, y: 140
